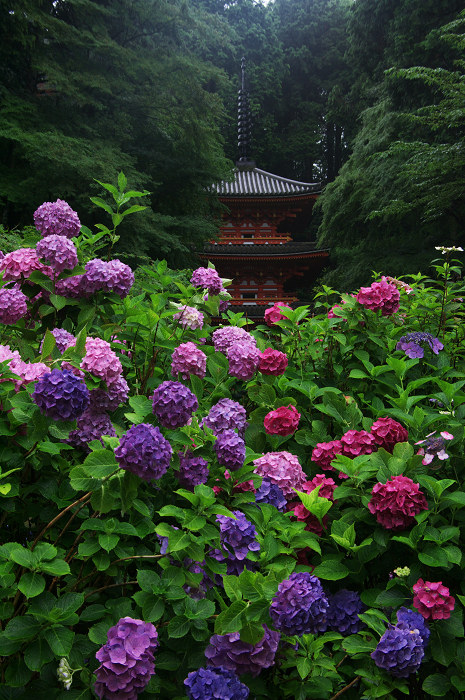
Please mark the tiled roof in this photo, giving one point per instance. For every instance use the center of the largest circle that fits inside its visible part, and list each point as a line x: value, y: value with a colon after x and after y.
x: 278, y: 250
x: 253, y: 182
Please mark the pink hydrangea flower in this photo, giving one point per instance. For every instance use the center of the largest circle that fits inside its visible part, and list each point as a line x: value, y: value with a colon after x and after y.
x: 189, y: 317
x: 432, y: 600
x: 7, y: 354
x: 380, y: 296
x: 282, y: 421
x: 13, y: 305
x: 401, y: 286
x: 272, y: 362
x: 396, y: 502
x: 273, y: 314
x: 283, y: 469
x: 388, y: 432
x: 357, y: 442
x: 27, y: 371
x: 243, y: 360
x: 324, y: 453
x: 100, y: 360
x: 19, y: 264
x: 187, y: 359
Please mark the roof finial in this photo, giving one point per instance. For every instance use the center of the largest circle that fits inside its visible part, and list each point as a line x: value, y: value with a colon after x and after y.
x: 244, y: 121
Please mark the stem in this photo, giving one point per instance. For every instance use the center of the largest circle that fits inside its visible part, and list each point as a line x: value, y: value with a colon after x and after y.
x: 112, y: 585
x: 60, y: 515
x: 333, y: 697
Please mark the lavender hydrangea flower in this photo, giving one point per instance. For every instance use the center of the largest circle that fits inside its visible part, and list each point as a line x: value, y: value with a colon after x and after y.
x: 173, y: 404
x: 13, y: 305
x: 230, y: 449
x: 126, y: 660
x: 97, y: 276
x: 58, y: 251
x: 101, y: 361
x: 144, y: 451
x: 228, y: 651
x: 193, y: 470
x: 207, y: 278
x: 223, y: 338
x: 434, y: 446
x: 413, y: 620
x: 243, y: 359
x: 300, y: 605
x: 188, y: 359
x: 90, y: 426
x: 399, y: 651
x: 342, y: 614
x: 57, y: 218
x: 412, y: 343
x: 63, y: 339
x: 189, y: 317
x: 238, y: 537
x: 283, y: 469
x: 272, y: 494
x: 226, y: 415
x: 210, y: 683
x: 120, y: 277
x: 60, y: 395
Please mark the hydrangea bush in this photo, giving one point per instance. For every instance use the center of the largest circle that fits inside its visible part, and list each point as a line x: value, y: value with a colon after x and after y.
x: 193, y: 507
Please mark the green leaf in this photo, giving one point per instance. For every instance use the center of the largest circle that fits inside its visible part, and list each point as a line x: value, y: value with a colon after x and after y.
x: 403, y: 450
x: 230, y: 620
x: 356, y: 644
x: 331, y: 570
x: 38, y: 653
x: 60, y: 639
x: 178, y: 627
x: 23, y: 628
x: 99, y: 202
x: 433, y: 555
x: 100, y: 464
x: 22, y: 556
x: 58, y: 302
x: 56, y: 567
x: 48, y: 344
x: 31, y: 584
x: 108, y: 541
x: 436, y: 685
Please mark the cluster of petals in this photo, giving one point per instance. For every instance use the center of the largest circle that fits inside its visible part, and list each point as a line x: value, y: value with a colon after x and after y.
x: 73, y: 287
x: 90, y: 425
x: 357, y: 442
x: 144, y: 451
x: 223, y: 338
x: 57, y: 218
x: 401, y: 286
x: 409, y: 619
x: 243, y: 360
x: 283, y: 469
x: 412, y: 344
x: 343, y: 612
x: 215, y: 682
x: 396, y: 502
x: 28, y: 371
x: 226, y: 414
x: 111, y: 276
x: 282, y: 421
x: 116, y: 393
x: 434, y: 446
x: 230, y: 652
x: 270, y: 493
x: 273, y: 314
x: 189, y: 317
x: 400, y: 651
x: 58, y: 251
x: 207, y: 278
x: 193, y: 470
x: 300, y: 605
x: 388, y: 432
x: 61, y: 395
x: 6, y: 353
x: 237, y: 535
x: 173, y: 403
x: 19, y: 264
x: 100, y: 360
x: 63, y: 339
x: 272, y: 362
x: 188, y: 359
x: 380, y: 296
x: 230, y: 449
x: 13, y: 305
x: 432, y: 600
x: 126, y: 660
x: 325, y: 452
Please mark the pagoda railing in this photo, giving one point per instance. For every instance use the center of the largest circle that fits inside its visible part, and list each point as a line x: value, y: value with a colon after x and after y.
x: 261, y: 301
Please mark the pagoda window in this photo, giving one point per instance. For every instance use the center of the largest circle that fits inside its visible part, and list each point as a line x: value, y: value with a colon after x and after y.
x: 247, y: 235
x: 248, y: 295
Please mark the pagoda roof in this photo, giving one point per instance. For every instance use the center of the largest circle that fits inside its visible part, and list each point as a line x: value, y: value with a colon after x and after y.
x: 262, y: 250
x: 250, y: 181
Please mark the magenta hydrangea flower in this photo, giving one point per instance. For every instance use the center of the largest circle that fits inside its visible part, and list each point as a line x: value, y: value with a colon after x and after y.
x: 207, y: 278
x: 57, y: 218
x: 388, y: 432
x: 13, y: 305
x: 399, y: 652
x: 116, y: 393
x: 434, y: 446
x: 60, y: 395
x: 126, y: 660
x: 223, y: 338
x: 193, y: 470
x: 243, y: 360
x: 273, y: 314
x: 19, y: 264
x: 300, y: 605
x: 343, y: 611
x: 63, y: 339
x: 380, y: 296
x: 237, y: 536
x: 325, y: 452
x: 357, y: 442
x: 144, y: 451
x: 189, y: 317
x: 283, y: 469
x: 90, y: 426
x: 432, y: 600
x: 58, y: 251
x: 188, y: 359
x: 401, y: 286
x: 120, y: 277
x: 213, y: 683
x: 100, y: 360
x: 272, y: 362
x: 412, y: 344
x: 396, y: 502
x: 312, y: 523
x: 230, y: 652
x: 282, y: 421
x: 173, y: 404
x: 226, y: 414
x: 230, y: 449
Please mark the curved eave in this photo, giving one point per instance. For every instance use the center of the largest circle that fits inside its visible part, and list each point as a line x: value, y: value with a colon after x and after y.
x: 268, y: 199
x: 268, y: 257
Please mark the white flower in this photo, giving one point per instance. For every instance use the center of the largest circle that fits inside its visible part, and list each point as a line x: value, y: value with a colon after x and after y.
x: 452, y: 249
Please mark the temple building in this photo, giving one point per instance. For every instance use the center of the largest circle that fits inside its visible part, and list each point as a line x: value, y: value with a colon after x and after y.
x: 256, y: 246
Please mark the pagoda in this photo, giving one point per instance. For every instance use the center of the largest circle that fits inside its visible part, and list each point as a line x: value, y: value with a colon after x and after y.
x: 256, y: 246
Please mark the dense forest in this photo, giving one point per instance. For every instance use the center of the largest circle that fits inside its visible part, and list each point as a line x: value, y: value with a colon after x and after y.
x: 366, y: 96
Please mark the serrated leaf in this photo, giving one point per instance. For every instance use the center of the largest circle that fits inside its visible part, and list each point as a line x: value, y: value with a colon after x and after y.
x: 31, y: 584
x: 230, y: 620
x: 331, y: 570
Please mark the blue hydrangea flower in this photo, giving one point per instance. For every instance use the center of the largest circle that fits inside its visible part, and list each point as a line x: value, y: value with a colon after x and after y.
x: 272, y: 494
x: 412, y: 343
x: 343, y: 610
x: 61, y: 395
x: 413, y: 620
x: 399, y: 651
x: 215, y: 682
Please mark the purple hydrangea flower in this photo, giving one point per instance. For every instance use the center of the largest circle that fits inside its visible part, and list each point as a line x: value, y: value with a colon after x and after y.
x: 192, y: 470
x: 228, y: 651
x: 187, y: 359
x: 117, y: 393
x: 210, y: 683
x: 225, y: 415
x: 97, y: 276
x: 412, y: 343
x: 238, y: 537
x: 120, y: 277
x: 126, y: 660
x: 243, y: 359
x: 207, y: 278
x: 413, y: 620
x: 63, y: 339
x: 434, y: 446
x: 144, y: 451
x: 173, y: 404
x: 13, y: 305
x: 58, y: 251
x: 72, y: 287
x: 60, y: 395
x: 57, y: 218
x: 342, y: 614
x: 399, y: 651
x: 272, y: 494
x: 90, y: 426
x: 300, y: 605
x: 224, y: 306
x: 223, y: 338
x: 230, y: 449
